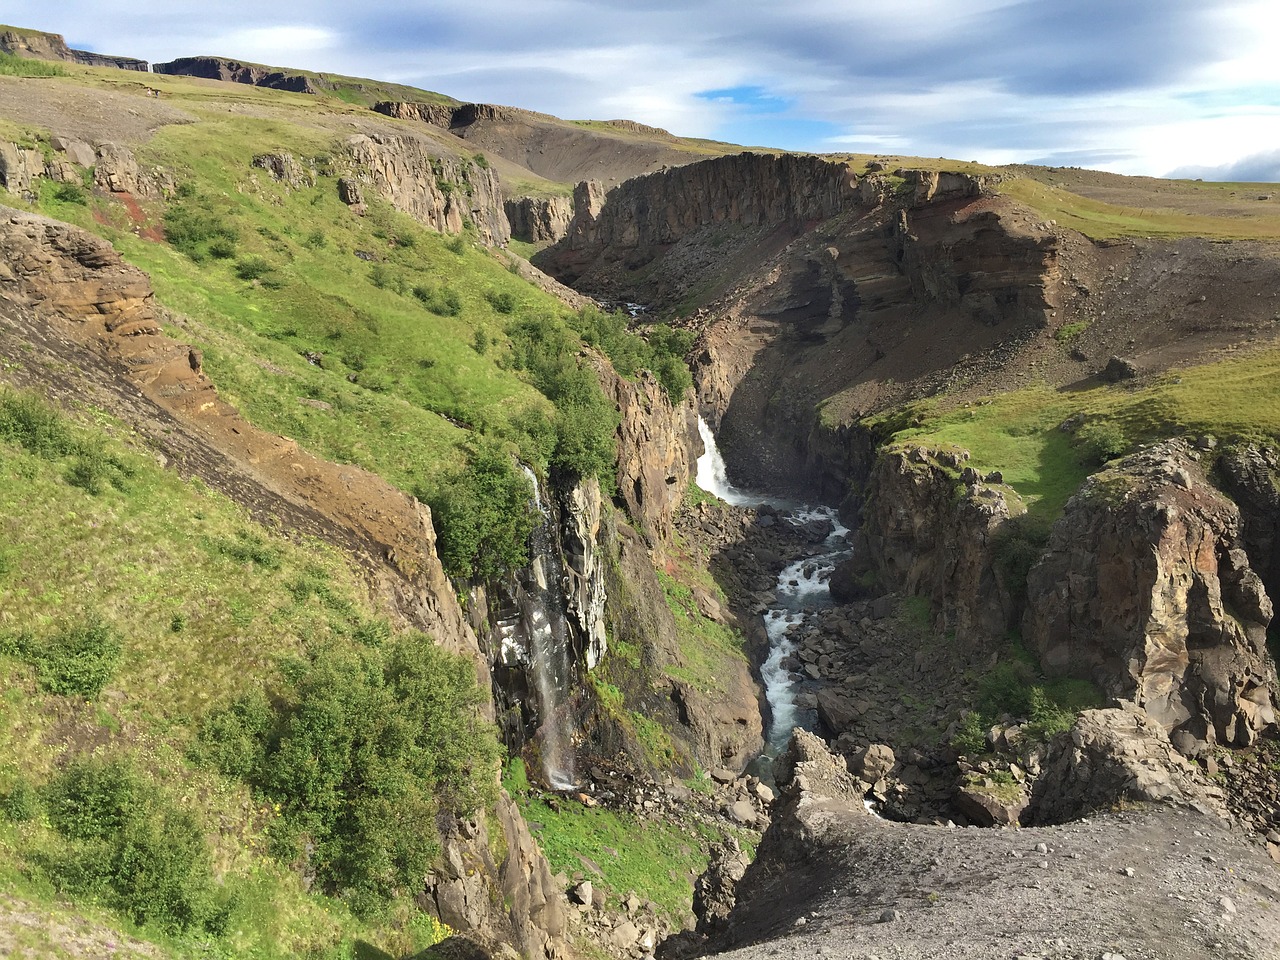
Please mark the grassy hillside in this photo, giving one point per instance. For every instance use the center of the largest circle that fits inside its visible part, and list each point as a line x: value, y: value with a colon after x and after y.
x: 136, y: 607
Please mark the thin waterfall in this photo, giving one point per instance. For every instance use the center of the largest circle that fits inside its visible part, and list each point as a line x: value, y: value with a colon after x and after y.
x: 537, y: 638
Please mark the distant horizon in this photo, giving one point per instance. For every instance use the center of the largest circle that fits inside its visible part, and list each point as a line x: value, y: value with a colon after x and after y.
x: 1161, y: 88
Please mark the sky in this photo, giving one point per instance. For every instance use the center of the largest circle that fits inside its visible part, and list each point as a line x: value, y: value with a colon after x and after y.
x: 1155, y: 87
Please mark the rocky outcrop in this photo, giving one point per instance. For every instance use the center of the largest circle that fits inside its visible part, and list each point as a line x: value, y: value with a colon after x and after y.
x: 1249, y: 474
x: 536, y: 219
x: 1116, y: 756
x: 645, y: 216
x: 655, y: 454
x: 463, y: 889
x: 929, y: 528
x: 234, y: 71
x: 1146, y: 589
x: 114, y: 168
x: 442, y: 192
x: 436, y: 114
x: 585, y: 596
x: 51, y: 46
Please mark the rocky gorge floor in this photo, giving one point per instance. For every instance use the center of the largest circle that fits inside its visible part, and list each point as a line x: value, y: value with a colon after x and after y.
x: 1150, y: 881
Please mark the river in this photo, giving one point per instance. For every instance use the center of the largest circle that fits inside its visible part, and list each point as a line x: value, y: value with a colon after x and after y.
x: 801, y: 590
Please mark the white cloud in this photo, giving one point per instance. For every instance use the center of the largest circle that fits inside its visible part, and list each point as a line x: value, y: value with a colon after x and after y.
x: 1142, y: 86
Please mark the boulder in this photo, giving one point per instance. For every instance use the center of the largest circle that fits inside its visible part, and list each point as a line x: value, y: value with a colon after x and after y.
x: 1114, y: 756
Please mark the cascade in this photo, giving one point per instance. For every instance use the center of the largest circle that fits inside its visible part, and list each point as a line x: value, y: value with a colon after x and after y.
x: 535, y: 636
x: 801, y: 590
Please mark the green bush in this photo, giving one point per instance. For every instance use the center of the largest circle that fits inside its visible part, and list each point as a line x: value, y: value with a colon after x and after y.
x: 77, y: 661
x: 252, y: 268
x: 501, y: 302
x: 195, y: 228
x: 69, y: 193
x: 483, y: 516
x: 130, y: 846
x: 1101, y: 440
x: 361, y: 749
x: 441, y: 301
x: 662, y: 350
x: 547, y: 350
x: 21, y: 804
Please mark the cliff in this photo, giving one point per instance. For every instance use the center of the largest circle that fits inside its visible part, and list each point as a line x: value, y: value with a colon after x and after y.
x: 439, y: 190
x: 929, y: 526
x: 1146, y: 588
x: 51, y: 46
x: 609, y: 242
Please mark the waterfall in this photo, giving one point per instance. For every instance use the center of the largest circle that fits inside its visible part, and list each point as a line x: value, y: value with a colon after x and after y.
x: 537, y: 638
x: 714, y: 478
x: 802, y: 589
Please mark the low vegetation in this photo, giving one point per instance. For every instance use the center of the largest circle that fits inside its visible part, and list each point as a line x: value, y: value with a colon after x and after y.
x: 196, y: 712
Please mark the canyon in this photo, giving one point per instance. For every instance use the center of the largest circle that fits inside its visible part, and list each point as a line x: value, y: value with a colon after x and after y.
x: 868, y: 334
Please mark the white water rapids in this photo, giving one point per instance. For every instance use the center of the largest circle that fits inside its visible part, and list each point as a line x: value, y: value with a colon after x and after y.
x: 801, y: 589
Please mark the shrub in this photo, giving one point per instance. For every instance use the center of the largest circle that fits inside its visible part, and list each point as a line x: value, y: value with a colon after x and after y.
x: 197, y: 230
x: 21, y: 804
x: 77, y: 661
x: 443, y: 302
x: 362, y: 748
x: 1101, y: 440
x: 970, y: 738
x: 503, y: 302
x: 69, y: 193
x: 483, y: 516
x: 547, y: 350
x: 252, y: 268
x: 131, y: 846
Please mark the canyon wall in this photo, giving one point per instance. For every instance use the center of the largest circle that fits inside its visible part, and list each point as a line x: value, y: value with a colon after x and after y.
x: 622, y: 231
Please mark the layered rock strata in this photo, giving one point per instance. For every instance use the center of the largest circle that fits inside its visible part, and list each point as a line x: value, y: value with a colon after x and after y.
x: 442, y: 192
x: 51, y: 46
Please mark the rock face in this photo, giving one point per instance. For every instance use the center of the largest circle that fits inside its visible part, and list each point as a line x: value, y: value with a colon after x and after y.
x: 463, y: 888
x: 1146, y: 589
x: 585, y: 597
x: 535, y: 219
x: 51, y: 46
x: 1248, y: 475
x: 655, y: 451
x: 720, y: 728
x: 644, y: 216
x: 1113, y: 756
x: 114, y: 168
x: 929, y: 528
x: 255, y: 74
x: 965, y: 256
x: 443, y: 192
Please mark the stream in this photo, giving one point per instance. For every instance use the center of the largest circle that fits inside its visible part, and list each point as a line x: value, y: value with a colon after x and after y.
x: 801, y: 590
